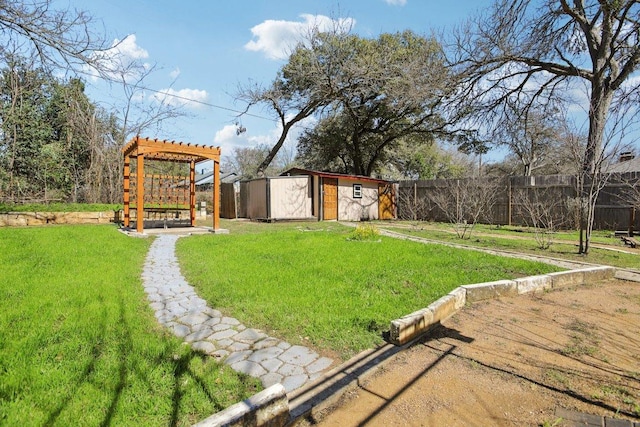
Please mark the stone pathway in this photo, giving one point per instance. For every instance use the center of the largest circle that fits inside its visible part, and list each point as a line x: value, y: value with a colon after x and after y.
x: 247, y: 350
x: 578, y: 419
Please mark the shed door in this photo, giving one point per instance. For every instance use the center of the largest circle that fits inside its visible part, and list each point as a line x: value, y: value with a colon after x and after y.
x: 385, y: 201
x: 330, y: 198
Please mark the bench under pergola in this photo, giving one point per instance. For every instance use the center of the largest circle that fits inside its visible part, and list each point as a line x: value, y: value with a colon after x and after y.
x: 142, y: 149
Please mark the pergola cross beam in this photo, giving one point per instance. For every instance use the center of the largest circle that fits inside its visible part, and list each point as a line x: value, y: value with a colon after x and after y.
x: 155, y: 149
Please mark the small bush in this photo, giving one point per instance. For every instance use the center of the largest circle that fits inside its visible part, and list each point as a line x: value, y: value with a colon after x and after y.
x: 364, y: 232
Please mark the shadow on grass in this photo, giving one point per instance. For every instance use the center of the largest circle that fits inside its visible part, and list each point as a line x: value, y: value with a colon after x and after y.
x: 124, y: 346
x: 181, y: 370
x: 180, y: 365
x: 88, y: 370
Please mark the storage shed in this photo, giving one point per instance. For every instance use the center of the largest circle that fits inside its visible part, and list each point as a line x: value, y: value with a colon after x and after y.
x: 306, y: 194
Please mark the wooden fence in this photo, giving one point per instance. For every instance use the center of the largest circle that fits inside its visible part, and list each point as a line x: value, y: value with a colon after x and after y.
x: 512, y: 196
x: 228, y: 203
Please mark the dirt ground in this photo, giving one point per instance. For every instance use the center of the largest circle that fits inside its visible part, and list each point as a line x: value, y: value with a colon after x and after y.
x: 512, y: 362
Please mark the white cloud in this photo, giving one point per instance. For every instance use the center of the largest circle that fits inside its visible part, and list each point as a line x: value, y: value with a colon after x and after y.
x: 128, y: 48
x: 228, y: 136
x: 396, y: 2
x: 175, y: 73
x: 125, y: 59
x: 228, y: 139
x: 184, y: 97
x: 277, y: 38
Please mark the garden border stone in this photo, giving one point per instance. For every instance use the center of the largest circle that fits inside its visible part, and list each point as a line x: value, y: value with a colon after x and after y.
x: 482, y: 291
x: 22, y: 219
x: 270, y: 407
x: 412, y: 326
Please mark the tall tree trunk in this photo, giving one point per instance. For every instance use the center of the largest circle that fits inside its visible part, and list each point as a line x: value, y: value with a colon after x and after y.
x: 274, y: 151
x: 601, y: 97
x: 600, y: 102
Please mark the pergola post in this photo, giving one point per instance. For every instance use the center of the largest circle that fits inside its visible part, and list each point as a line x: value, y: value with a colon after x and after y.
x: 127, y: 186
x: 192, y: 192
x: 140, y: 193
x: 216, y: 195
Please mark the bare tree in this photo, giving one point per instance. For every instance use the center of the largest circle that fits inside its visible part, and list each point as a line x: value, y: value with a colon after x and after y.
x: 539, y: 51
x: 465, y: 201
x: 541, y: 210
x: 104, y: 176
x: 589, y: 185
x: 135, y: 114
x: 245, y: 161
x: 138, y: 113
x: 412, y: 205
x: 628, y: 193
x: 532, y: 136
x: 632, y: 193
x: 66, y: 39
x: 62, y: 38
x: 297, y: 91
x: 633, y: 198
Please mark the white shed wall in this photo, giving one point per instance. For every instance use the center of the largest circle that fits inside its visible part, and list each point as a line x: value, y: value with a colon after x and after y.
x: 290, y: 197
x: 350, y: 209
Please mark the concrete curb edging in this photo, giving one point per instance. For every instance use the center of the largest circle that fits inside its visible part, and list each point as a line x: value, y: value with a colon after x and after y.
x: 270, y: 407
x: 490, y: 290
x: 308, y: 402
x: 411, y: 326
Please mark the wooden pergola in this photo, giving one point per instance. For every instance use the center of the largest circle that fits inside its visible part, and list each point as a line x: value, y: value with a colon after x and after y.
x: 179, y: 152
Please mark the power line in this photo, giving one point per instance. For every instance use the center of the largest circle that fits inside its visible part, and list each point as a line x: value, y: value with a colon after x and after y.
x: 184, y: 98
x: 205, y: 103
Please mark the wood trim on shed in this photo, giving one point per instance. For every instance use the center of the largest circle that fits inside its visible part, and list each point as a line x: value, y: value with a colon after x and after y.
x: 361, y: 178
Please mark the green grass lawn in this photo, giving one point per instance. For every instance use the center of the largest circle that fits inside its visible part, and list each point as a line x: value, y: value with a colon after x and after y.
x: 521, y: 240
x: 597, y: 236
x: 307, y: 283
x: 79, y: 344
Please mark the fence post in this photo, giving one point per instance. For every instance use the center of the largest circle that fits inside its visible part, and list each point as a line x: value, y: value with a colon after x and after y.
x: 509, y: 201
x: 415, y: 200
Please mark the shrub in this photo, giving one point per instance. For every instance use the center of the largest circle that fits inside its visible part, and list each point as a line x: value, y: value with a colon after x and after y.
x: 364, y: 232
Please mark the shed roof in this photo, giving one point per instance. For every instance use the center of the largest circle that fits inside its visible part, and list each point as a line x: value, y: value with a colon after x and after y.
x: 300, y: 171
x: 207, y: 178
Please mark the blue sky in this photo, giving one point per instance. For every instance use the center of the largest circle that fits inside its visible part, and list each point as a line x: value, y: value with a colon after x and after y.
x: 202, y: 50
